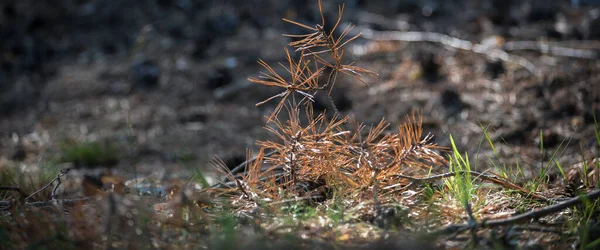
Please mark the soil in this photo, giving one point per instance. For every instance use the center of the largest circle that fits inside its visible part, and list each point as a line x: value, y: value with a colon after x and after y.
x: 167, y: 80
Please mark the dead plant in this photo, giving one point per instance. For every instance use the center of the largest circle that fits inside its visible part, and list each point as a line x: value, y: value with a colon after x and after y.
x: 321, y: 153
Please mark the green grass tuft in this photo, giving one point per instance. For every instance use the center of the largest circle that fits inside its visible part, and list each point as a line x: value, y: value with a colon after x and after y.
x: 88, y: 154
x: 461, y: 185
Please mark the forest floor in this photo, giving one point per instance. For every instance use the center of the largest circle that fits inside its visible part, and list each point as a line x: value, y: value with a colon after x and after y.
x: 137, y: 99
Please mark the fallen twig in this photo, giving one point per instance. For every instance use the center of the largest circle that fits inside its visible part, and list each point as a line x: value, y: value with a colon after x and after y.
x: 549, y: 48
x: 239, y: 168
x: 483, y: 176
x: 234, y: 183
x: 242, y: 165
x: 416, y: 36
x: 311, y: 197
x: 64, y: 202
x: 520, y: 218
x: 63, y: 172
x: 541, y: 229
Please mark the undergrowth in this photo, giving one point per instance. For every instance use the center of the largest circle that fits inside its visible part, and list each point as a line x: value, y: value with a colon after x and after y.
x: 325, y: 181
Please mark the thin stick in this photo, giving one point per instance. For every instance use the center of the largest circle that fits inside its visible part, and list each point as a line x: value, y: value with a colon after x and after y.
x: 541, y: 229
x: 415, y: 36
x: 53, y: 194
x: 548, y: 48
x: 241, y: 187
x: 486, y: 177
x: 242, y: 165
x: 297, y: 199
x: 237, y: 169
x: 230, y: 184
x: 544, y: 47
x: 67, y: 202
x: 521, y: 218
x: 63, y: 172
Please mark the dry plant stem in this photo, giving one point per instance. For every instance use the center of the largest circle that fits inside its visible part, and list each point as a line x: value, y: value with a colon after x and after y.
x: 242, y: 166
x: 297, y: 199
x: 415, y: 36
x: 472, y: 223
x: 320, y: 40
x: 241, y: 187
x: 63, y: 172
x: 230, y: 184
x: 53, y: 194
x: 330, y: 80
x: 548, y: 48
x: 374, y: 186
x: 112, y: 209
x: 521, y: 218
x: 541, y: 229
x: 293, y: 161
x: 65, y: 202
x: 486, y: 177
x: 551, y: 48
x: 581, y: 44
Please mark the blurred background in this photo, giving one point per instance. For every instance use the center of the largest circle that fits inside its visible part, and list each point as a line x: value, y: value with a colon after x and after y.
x: 166, y: 81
